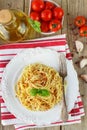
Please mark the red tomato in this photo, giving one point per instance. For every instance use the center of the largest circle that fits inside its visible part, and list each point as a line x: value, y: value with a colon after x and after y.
x: 55, y: 25
x: 35, y: 16
x: 44, y: 26
x: 37, y: 5
x: 49, y: 5
x: 58, y: 13
x: 46, y: 15
x: 80, y: 21
x: 83, y: 31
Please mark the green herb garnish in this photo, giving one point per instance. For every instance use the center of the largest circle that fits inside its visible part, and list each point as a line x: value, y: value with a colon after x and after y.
x: 41, y: 92
x: 33, y: 91
x: 44, y: 92
x: 35, y: 24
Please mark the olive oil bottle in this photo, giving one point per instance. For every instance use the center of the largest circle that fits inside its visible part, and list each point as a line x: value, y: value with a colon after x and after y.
x: 14, y: 26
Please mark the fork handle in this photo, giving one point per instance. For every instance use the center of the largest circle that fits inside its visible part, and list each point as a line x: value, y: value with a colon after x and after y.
x: 64, y: 113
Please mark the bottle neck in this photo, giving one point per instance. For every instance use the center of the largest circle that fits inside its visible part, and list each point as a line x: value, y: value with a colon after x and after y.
x: 6, y: 16
x: 8, y: 19
x: 12, y: 21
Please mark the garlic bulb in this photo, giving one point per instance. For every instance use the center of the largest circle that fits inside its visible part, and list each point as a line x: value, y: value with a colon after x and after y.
x: 84, y: 77
x: 83, y: 62
x: 79, y: 46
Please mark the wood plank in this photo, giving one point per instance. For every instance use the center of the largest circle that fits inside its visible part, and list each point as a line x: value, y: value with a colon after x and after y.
x: 14, y: 4
x: 7, y: 128
x: 0, y: 127
x: 48, y: 128
x: 77, y: 8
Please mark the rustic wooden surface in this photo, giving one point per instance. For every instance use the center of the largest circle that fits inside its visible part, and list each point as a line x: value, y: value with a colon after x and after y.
x: 71, y: 8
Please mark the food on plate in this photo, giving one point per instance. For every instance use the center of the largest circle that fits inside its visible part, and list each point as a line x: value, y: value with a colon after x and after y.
x: 83, y: 31
x: 55, y: 25
x: 39, y: 87
x: 45, y: 11
x: 80, y: 21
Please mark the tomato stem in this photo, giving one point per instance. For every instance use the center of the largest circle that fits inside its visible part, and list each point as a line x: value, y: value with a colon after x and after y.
x: 85, y: 32
x: 54, y: 25
x: 79, y: 21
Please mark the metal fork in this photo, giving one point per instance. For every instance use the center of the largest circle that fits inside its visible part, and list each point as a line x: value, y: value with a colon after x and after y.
x: 63, y: 74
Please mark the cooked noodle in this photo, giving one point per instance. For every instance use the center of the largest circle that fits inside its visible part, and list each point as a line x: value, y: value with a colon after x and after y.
x: 39, y: 76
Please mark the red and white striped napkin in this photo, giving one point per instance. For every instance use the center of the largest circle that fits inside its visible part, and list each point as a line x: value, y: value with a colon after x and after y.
x: 7, y: 52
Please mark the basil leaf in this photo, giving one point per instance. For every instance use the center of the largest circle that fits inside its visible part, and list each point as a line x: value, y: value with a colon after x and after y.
x: 43, y: 92
x: 39, y: 91
x: 35, y: 24
x: 33, y: 91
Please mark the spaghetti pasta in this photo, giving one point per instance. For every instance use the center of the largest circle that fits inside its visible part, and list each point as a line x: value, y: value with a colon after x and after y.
x: 39, y: 87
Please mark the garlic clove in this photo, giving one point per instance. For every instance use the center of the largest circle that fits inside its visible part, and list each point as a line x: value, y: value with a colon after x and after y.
x: 79, y: 46
x: 84, y: 77
x: 83, y: 63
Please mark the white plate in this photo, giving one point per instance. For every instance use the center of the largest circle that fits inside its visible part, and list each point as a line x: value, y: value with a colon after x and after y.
x: 11, y: 73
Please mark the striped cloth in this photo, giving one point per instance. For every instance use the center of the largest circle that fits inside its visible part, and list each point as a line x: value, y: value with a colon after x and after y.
x: 7, y: 52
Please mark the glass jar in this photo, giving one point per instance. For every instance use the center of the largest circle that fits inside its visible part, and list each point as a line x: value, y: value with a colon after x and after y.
x: 14, y: 26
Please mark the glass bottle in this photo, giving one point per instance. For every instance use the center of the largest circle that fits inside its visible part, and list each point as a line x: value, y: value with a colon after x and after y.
x: 14, y: 26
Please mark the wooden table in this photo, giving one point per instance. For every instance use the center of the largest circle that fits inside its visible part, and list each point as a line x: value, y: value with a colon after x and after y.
x: 71, y: 8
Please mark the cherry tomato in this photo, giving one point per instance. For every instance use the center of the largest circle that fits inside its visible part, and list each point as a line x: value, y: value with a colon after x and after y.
x: 55, y: 25
x: 83, y: 31
x: 49, y: 5
x: 46, y: 15
x: 37, y: 5
x: 35, y: 16
x: 80, y: 21
x: 58, y: 13
x: 44, y: 26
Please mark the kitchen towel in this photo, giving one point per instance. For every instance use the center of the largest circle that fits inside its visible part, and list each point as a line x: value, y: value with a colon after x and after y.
x: 8, y: 51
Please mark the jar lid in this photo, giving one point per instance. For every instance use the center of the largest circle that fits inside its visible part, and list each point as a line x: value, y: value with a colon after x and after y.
x: 5, y: 16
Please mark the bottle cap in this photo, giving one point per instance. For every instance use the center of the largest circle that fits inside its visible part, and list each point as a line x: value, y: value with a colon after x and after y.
x: 5, y: 16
